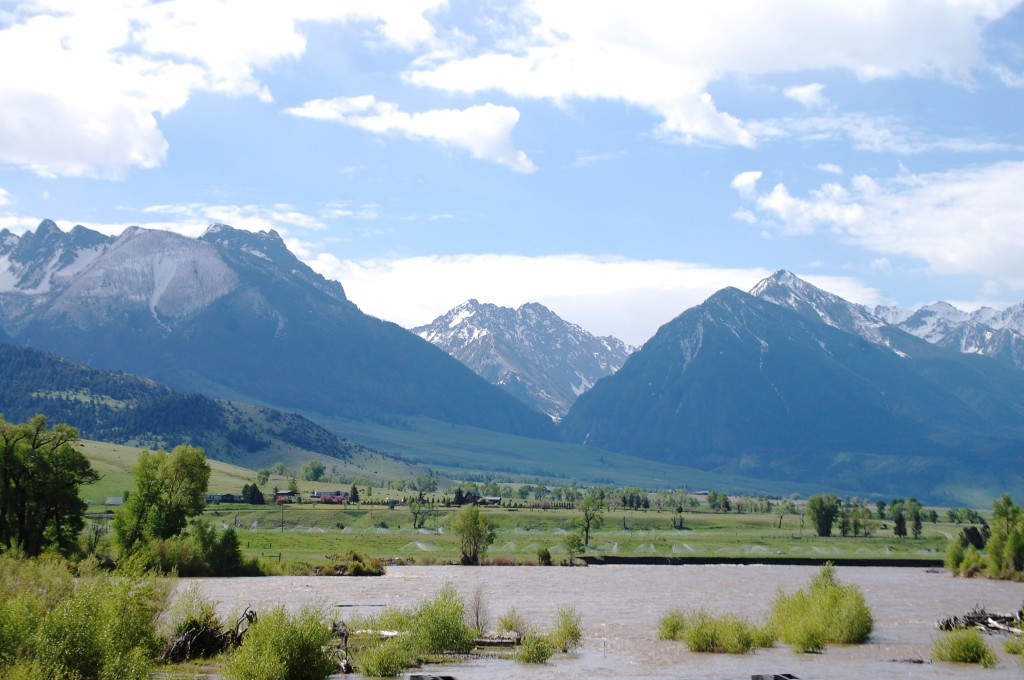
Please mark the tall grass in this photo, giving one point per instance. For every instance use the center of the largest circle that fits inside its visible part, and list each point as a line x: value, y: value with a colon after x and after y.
x: 826, y: 612
x: 963, y: 646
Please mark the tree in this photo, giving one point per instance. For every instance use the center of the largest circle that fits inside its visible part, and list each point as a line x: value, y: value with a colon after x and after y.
x: 460, y: 498
x: 899, y: 523
x: 591, y: 515
x: 41, y: 473
x: 313, y: 471
x: 353, y: 494
x: 421, y: 510
x: 251, y: 494
x: 476, y: 533
x: 822, y: 510
x: 262, y: 476
x: 169, y: 489
x: 573, y: 544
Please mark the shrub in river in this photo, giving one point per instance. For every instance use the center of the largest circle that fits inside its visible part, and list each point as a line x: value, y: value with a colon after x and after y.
x: 439, y: 624
x: 702, y: 631
x: 963, y: 646
x: 281, y: 645
x: 826, y: 612
x: 671, y: 625
x: 567, y: 634
x: 385, y: 660
x: 1014, y: 645
x: 512, y: 622
x: 536, y: 647
x: 355, y: 564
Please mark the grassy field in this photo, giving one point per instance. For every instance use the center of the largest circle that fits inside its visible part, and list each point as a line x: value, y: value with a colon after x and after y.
x: 311, y: 533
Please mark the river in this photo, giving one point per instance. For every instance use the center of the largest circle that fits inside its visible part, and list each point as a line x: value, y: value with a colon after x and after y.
x: 621, y: 606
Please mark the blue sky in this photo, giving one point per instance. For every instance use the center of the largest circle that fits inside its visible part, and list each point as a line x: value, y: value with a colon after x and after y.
x: 618, y: 162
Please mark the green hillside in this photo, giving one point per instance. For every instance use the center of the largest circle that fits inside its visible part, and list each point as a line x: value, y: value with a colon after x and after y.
x: 115, y: 462
x: 463, y: 452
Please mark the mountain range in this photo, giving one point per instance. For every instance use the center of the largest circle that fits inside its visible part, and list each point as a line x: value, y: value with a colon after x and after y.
x: 784, y: 382
x: 531, y: 352
x: 791, y: 381
x: 986, y: 331
x: 233, y: 314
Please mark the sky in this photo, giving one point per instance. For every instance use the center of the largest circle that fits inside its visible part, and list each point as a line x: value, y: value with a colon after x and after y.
x: 617, y: 162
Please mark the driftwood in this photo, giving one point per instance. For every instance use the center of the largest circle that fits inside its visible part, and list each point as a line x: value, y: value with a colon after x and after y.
x: 985, y: 621
x: 199, y: 642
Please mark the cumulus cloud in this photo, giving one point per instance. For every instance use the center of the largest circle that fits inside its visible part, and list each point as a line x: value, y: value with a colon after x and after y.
x: 484, y: 131
x: 746, y: 182
x: 662, y: 56
x: 961, y: 221
x: 830, y: 168
x: 809, y: 95
x: 94, y: 79
x: 606, y: 295
x: 5, y: 197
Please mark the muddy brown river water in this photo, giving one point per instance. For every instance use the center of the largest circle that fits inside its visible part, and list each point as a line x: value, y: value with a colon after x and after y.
x: 621, y: 606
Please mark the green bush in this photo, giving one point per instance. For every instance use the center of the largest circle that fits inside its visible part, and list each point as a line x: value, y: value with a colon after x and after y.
x: 567, y: 635
x: 512, y: 622
x: 384, y: 660
x: 280, y: 645
x: 826, y: 612
x: 963, y: 646
x: 1014, y: 645
x: 973, y: 563
x: 702, y: 631
x: 544, y: 557
x: 671, y: 625
x: 535, y: 648
x: 104, y: 629
x: 439, y: 624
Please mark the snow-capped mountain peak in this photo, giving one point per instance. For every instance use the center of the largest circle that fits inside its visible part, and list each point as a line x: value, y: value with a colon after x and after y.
x: 788, y: 290
x: 530, y: 351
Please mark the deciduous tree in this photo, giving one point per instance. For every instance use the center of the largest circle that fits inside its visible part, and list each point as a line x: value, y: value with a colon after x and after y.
x: 822, y: 510
x: 41, y: 473
x: 475, y: 531
x: 169, y: 489
x: 591, y: 515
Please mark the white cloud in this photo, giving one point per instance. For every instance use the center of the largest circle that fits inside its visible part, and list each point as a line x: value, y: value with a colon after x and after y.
x: 93, y: 79
x: 746, y: 182
x: 880, y: 134
x: 963, y: 221
x: 830, y: 168
x: 484, y: 131
x: 5, y: 197
x: 810, y: 96
x: 608, y: 296
x: 662, y: 56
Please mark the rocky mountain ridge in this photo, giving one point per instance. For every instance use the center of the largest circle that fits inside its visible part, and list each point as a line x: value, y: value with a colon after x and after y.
x: 529, y: 351
x: 233, y: 314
